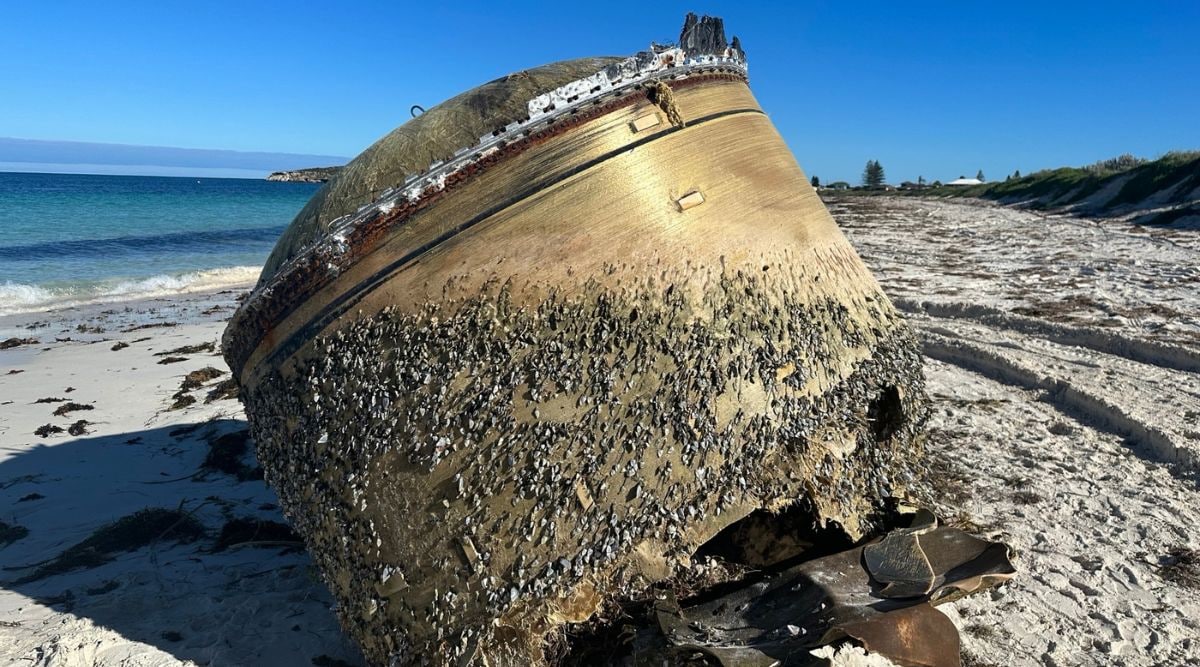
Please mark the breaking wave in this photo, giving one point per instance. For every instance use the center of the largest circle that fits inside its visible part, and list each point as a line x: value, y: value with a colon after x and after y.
x: 23, y: 298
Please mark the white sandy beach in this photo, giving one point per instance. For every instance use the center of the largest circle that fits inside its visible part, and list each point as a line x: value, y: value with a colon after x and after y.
x: 1064, y: 366
x: 166, y: 603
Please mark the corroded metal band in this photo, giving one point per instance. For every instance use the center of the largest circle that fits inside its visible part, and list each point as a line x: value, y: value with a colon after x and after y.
x: 261, y: 326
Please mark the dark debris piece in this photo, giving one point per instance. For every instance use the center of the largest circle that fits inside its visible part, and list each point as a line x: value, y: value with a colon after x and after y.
x: 17, y: 342
x: 119, y: 345
x: 775, y: 616
x: 79, y: 427
x: 171, y: 360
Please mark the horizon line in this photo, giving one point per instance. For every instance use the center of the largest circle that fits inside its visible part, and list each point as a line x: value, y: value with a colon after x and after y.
x: 88, y: 154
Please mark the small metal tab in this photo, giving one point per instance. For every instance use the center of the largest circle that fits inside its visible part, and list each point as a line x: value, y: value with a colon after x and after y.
x: 690, y: 200
x: 642, y: 123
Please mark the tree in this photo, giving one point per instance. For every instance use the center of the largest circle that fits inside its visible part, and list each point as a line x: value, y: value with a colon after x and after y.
x: 979, y: 175
x: 873, y: 174
x: 816, y: 182
x: 1017, y: 174
x: 920, y: 180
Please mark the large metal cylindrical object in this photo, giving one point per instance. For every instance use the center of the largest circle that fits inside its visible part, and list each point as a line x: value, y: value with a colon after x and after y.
x: 497, y: 399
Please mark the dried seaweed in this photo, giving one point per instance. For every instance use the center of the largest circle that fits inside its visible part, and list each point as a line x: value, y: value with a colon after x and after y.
x: 140, y: 529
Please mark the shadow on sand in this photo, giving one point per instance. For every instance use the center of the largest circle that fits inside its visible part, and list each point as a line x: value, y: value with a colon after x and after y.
x: 207, y: 575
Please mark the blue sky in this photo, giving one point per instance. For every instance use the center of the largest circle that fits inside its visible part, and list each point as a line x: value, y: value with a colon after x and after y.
x: 936, y: 89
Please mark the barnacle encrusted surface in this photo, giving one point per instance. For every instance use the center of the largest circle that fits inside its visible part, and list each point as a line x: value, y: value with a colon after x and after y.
x: 500, y: 462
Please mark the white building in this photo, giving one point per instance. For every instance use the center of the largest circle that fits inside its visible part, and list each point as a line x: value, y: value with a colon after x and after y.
x: 965, y: 181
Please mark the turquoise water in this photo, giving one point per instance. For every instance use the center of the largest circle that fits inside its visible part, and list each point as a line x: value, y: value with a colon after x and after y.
x: 67, y: 238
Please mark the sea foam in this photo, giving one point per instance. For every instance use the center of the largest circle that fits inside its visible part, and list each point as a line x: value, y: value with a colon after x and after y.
x: 23, y: 298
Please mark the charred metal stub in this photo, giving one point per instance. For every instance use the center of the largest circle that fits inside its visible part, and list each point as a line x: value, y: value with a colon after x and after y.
x: 503, y: 385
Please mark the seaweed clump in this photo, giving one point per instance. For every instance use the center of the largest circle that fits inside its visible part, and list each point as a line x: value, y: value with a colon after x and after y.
x: 129, y: 533
x: 257, y: 532
x: 196, y: 379
x: 47, y: 430
x: 225, y: 389
x: 10, y: 533
x: 67, y: 408
x: 193, y: 380
x: 1181, y: 566
x: 225, y: 455
x: 189, y: 349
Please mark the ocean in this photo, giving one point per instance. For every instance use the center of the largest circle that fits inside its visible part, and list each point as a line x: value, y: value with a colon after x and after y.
x: 67, y: 239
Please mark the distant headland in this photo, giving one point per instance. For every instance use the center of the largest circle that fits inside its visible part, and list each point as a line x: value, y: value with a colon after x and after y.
x: 310, y: 175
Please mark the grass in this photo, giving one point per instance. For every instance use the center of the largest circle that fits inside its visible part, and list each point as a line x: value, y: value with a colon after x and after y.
x: 1179, y: 171
x: 1152, y: 177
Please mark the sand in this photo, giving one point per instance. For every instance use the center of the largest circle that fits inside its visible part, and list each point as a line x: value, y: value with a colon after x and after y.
x: 1064, y: 362
x: 165, y: 603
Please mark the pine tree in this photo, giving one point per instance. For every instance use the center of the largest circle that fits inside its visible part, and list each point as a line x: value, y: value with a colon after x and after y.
x: 873, y: 174
x: 1017, y: 174
x: 816, y: 182
x: 979, y: 175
